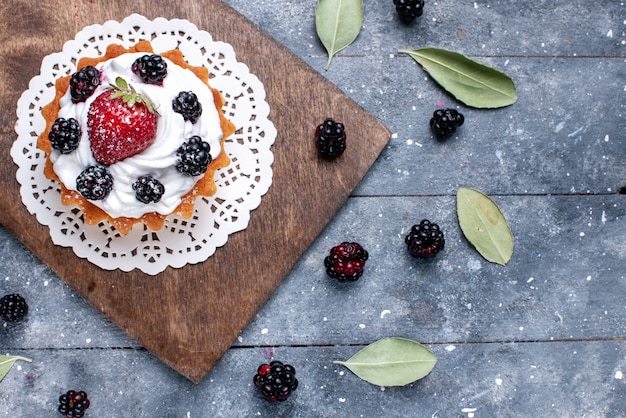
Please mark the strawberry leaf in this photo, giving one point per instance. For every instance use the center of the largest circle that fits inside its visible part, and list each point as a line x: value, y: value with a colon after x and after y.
x: 129, y: 95
x: 120, y: 83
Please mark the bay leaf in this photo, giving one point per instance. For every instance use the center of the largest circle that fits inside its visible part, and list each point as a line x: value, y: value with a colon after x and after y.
x: 6, y: 362
x: 391, y: 361
x: 338, y: 23
x: 469, y: 81
x: 484, y: 225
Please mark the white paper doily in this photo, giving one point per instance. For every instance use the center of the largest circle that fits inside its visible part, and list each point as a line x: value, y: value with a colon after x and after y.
x: 240, y: 186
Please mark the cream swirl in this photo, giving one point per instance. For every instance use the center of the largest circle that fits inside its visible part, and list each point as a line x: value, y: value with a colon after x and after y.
x: 159, y: 159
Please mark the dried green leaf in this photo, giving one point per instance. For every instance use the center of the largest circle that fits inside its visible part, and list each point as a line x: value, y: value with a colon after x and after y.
x: 484, y: 225
x: 338, y: 23
x: 391, y: 362
x: 471, y: 82
x: 6, y: 362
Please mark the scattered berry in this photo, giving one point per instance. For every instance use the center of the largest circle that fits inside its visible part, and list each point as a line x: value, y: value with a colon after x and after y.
x: 425, y: 240
x: 65, y: 135
x: 187, y: 104
x: 151, y: 69
x: 276, y: 380
x: 330, y: 138
x: 346, y: 261
x: 445, y: 121
x: 13, y: 307
x: 409, y: 10
x: 148, y: 189
x: 83, y: 83
x: 194, y: 157
x: 73, y: 404
x: 94, y: 183
x: 120, y: 123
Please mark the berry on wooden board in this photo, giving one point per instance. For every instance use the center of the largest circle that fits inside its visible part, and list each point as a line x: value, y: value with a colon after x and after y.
x: 330, y: 138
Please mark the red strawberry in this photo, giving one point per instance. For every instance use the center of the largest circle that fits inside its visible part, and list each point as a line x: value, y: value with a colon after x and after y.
x: 120, y: 123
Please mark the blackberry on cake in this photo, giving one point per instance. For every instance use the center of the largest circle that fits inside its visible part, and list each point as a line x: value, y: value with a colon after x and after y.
x: 65, y: 135
x: 151, y: 69
x: 148, y: 189
x: 94, y: 183
x: 83, y: 83
x: 194, y: 156
x: 186, y: 103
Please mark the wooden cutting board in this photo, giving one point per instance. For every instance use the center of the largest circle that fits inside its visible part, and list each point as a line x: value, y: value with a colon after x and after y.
x: 189, y: 317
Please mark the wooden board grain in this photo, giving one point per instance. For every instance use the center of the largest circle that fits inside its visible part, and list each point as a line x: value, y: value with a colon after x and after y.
x: 189, y: 317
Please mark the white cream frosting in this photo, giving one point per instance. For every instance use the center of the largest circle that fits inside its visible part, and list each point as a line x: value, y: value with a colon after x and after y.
x: 159, y: 159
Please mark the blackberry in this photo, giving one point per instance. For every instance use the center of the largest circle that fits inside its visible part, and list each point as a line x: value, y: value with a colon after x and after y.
x: 65, y: 135
x: 445, y: 121
x: 13, y: 307
x: 409, y: 10
x: 151, y: 69
x: 73, y: 404
x: 346, y: 261
x: 94, y: 183
x: 148, y: 189
x: 330, y: 138
x: 194, y: 157
x: 425, y: 240
x: 83, y: 83
x: 186, y: 103
x: 276, y: 380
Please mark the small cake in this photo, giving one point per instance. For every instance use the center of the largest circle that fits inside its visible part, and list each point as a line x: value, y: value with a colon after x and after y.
x: 133, y: 136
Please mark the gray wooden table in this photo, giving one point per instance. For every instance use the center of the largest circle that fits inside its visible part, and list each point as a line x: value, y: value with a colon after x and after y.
x: 543, y: 336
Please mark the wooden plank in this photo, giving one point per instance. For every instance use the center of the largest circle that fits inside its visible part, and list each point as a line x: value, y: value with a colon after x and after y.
x: 547, y: 142
x: 565, y: 280
x: 189, y: 317
x: 562, y: 136
x: 532, y: 379
x: 550, y: 290
x: 477, y: 28
x: 496, y: 374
